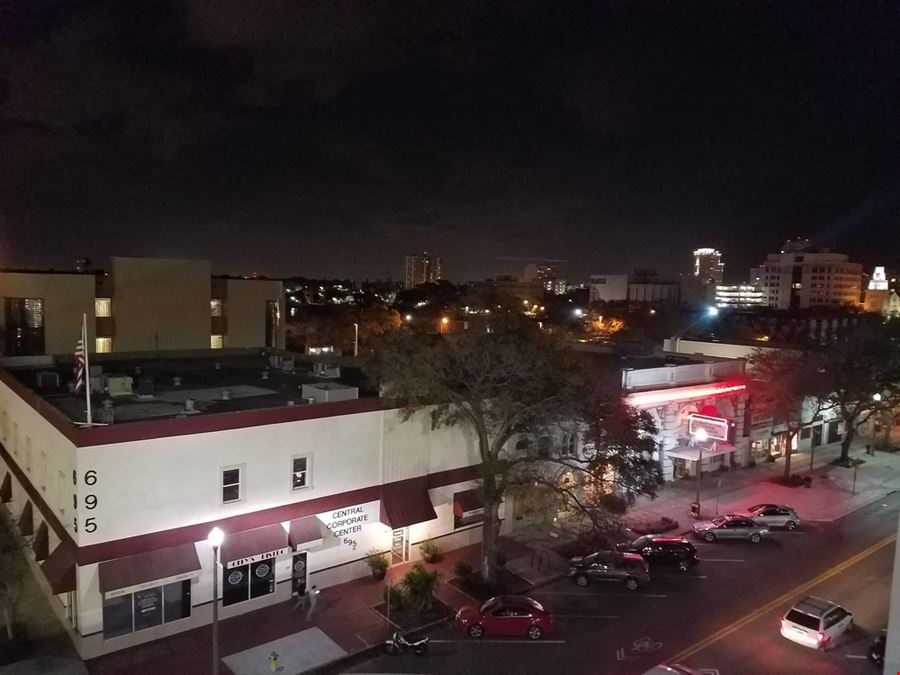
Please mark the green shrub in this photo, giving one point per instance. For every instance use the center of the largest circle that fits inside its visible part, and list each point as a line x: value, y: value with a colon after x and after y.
x: 430, y: 551
x: 394, y: 597
x: 420, y: 586
x: 462, y: 568
x: 377, y: 562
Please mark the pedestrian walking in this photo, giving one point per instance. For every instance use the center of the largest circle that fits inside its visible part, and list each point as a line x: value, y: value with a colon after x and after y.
x: 302, y: 601
x: 869, y: 450
x: 313, y: 599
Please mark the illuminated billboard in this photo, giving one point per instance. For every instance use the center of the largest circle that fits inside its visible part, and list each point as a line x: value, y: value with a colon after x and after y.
x: 716, y: 427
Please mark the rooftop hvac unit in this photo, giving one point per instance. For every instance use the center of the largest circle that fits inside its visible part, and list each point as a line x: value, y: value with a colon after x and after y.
x: 47, y: 378
x: 118, y: 385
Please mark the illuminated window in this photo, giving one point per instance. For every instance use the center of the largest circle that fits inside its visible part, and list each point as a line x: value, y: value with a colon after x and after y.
x: 216, y: 341
x: 103, y: 307
x: 103, y: 345
x: 216, y: 307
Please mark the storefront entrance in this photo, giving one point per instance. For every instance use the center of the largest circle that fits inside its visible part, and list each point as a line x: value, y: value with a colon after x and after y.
x: 299, y: 574
x: 400, y: 545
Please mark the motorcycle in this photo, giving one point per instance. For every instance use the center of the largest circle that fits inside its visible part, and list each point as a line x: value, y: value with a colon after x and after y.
x: 398, y: 643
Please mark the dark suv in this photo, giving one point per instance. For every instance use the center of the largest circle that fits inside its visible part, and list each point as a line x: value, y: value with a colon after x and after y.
x: 662, y: 551
x: 629, y: 568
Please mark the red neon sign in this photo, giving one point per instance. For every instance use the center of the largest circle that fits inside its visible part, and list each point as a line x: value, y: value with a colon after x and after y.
x: 645, y: 398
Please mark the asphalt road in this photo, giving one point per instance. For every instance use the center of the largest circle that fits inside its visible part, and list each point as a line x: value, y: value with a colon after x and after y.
x: 725, y: 617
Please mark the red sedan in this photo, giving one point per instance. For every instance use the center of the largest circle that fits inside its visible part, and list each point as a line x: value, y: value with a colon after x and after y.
x: 506, y: 615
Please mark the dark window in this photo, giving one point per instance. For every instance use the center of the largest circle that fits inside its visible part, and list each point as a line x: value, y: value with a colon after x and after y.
x: 544, y: 447
x: 804, y: 433
x: 262, y: 578
x: 802, y: 619
x: 117, y: 616
x: 235, y: 585
x: 24, y: 326
x: 231, y: 485
x: 177, y: 600
x: 148, y: 608
x: 833, y: 618
x: 299, y: 472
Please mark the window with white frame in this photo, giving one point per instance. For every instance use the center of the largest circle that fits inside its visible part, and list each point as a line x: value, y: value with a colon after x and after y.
x: 301, y: 466
x: 103, y: 345
x: 216, y: 341
x: 103, y: 307
x: 231, y: 484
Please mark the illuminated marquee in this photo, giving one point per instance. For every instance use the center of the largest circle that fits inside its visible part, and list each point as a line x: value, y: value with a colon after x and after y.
x: 647, y: 398
x: 716, y: 427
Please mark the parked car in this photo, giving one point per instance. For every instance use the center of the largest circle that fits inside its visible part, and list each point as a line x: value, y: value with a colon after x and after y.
x: 774, y: 515
x: 671, y: 669
x: 731, y: 526
x: 507, y: 615
x: 814, y: 622
x: 660, y: 550
x: 629, y: 568
x: 876, y: 650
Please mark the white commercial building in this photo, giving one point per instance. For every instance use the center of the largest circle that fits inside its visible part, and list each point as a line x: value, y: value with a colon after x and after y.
x: 302, y: 476
x: 740, y: 296
x: 803, y: 277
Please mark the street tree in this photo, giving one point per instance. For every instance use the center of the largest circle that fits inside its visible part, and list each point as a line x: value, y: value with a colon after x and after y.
x: 862, y: 372
x: 512, y: 382
x: 791, y: 385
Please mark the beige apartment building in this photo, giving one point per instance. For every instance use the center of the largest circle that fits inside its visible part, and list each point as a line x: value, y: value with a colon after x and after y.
x: 138, y: 305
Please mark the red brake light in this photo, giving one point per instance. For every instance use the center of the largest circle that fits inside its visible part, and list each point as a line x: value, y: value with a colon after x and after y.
x: 822, y: 637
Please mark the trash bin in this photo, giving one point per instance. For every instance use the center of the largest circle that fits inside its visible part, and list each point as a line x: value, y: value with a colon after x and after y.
x: 807, y: 482
x: 695, y: 509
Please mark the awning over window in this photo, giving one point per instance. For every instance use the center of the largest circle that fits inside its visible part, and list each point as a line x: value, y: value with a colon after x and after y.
x: 59, y: 568
x: 6, y: 489
x: 468, y: 503
x: 305, y: 533
x: 26, y: 520
x: 41, y: 543
x: 406, y: 503
x: 262, y: 543
x: 693, y: 454
x: 146, y: 570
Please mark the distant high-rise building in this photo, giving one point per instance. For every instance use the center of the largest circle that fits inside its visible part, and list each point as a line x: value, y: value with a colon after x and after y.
x: 539, y: 272
x: 802, y: 276
x: 422, y: 269
x: 740, y: 296
x: 708, y: 265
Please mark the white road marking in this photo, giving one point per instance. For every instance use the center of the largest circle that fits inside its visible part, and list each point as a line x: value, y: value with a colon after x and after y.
x: 586, y: 616
x: 680, y: 576
x: 511, y: 642
x: 857, y: 656
x: 722, y: 560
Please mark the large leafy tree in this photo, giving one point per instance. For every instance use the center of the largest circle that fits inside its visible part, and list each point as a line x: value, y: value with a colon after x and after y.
x: 862, y: 369
x: 501, y: 384
x: 792, y: 386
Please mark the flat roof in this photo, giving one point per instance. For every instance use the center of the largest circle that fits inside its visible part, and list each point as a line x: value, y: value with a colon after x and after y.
x: 205, y: 385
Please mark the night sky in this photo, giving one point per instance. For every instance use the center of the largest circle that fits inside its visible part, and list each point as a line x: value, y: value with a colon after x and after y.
x: 330, y: 138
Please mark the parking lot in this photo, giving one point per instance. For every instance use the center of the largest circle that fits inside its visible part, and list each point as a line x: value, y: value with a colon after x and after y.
x: 710, y: 615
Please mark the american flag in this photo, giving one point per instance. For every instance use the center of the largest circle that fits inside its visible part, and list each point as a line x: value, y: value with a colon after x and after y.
x: 79, y: 364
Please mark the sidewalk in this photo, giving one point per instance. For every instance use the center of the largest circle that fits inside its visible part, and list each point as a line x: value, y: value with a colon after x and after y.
x: 345, y: 622
x: 831, y: 496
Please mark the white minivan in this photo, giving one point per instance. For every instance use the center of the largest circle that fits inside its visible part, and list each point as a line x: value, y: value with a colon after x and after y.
x: 816, y: 623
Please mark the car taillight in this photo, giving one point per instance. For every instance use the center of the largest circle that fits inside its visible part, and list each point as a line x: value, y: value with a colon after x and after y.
x: 822, y: 637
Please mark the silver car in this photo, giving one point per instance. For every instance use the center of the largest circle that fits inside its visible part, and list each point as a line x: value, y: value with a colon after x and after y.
x: 732, y: 526
x: 774, y: 515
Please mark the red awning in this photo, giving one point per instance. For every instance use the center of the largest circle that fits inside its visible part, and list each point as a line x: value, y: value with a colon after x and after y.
x: 305, y: 533
x: 406, y: 503
x: 59, y: 568
x: 41, y: 543
x: 467, y: 502
x: 6, y: 489
x: 153, y: 568
x: 250, y: 546
x: 26, y: 520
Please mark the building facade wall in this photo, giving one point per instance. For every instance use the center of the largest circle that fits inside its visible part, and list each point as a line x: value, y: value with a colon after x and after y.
x: 245, y: 311
x: 67, y: 297
x: 161, y: 304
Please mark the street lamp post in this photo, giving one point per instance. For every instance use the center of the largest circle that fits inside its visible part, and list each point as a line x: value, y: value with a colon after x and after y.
x: 700, y: 437
x: 215, y: 539
x: 355, y: 339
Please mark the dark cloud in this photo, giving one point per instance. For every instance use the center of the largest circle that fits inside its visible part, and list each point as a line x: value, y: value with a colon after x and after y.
x: 306, y: 137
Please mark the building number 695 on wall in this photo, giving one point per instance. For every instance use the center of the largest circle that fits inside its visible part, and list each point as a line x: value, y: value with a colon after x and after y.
x: 90, y: 500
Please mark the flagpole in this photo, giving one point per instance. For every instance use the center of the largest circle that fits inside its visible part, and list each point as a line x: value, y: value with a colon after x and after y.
x: 87, y: 368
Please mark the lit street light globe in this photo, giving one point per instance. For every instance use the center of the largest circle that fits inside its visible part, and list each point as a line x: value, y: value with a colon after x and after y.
x: 215, y: 537
x: 701, y: 435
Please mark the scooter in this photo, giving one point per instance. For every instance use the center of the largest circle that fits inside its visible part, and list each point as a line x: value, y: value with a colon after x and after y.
x: 398, y: 643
